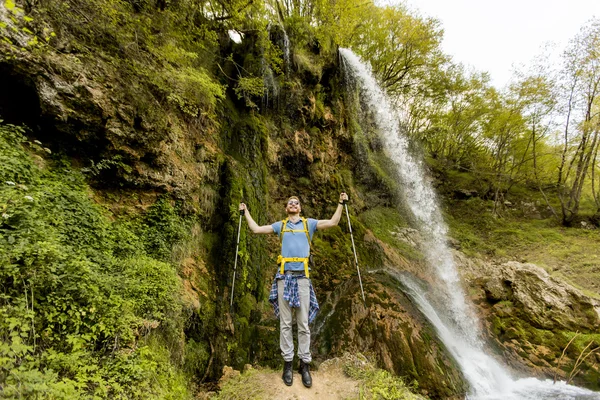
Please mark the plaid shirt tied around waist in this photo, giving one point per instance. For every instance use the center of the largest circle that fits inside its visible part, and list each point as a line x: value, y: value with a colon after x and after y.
x: 290, y: 294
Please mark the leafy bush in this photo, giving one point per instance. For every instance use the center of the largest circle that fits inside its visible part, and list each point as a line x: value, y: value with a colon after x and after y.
x: 83, y: 306
x: 249, y: 88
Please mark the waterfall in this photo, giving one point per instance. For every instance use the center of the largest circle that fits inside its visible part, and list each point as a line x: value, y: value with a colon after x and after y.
x: 447, y: 309
x: 286, y: 50
x: 270, y: 84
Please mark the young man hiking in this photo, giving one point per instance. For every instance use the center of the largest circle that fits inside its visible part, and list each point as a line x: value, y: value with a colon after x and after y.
x: 292, y: 287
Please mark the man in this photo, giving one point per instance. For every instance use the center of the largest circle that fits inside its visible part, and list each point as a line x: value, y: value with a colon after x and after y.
x: 292, y: 288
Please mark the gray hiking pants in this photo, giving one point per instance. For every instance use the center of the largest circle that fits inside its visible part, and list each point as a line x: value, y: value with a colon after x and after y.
x: 286, y: 341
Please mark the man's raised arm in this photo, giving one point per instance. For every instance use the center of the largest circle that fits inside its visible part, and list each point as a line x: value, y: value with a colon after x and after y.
x: 252, y: 224
x: 330, y: 223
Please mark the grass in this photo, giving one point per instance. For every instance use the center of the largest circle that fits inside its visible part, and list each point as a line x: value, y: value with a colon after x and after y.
x: 243, y: 387
x: 376, y: 383
x: 569, y: 253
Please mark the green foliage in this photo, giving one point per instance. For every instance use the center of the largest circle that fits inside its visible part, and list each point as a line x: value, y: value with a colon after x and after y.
x: 161, y: 228
x: 196, y: 357
x: 12, y: 169
x: 249, y: 88
x: 18, y: 35
x: 402, y: 47
x: 192, y: 90
x: 164, y: 56
x: 377, y: 383
x: 273, y: 55
x: 242, y: 387
x: 83, y: 307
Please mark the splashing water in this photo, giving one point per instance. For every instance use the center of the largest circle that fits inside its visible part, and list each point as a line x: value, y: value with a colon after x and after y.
x: 456, y: 323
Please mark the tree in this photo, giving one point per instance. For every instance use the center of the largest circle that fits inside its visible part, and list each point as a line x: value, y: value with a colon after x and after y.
x: 581, y: 138
x: 401, y: 47
x: 455, y: 133
x: 538, y: 98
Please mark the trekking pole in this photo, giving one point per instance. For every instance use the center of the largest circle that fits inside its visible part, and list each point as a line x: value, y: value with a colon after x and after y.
x: 355, y: 257
x: 236, y: 257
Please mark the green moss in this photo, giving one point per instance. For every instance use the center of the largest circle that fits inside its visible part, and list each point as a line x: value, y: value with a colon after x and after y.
x: 583, y: 340
x: 498, y: 326
x: 384, y: 222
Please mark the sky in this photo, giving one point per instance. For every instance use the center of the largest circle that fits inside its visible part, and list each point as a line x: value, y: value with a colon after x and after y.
x: 492, y: 35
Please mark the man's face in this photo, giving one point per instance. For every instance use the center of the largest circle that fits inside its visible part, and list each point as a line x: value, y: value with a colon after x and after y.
x: 293, y: 206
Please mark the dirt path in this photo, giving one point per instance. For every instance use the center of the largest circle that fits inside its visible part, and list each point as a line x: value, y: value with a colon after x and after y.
x: 329, y: 383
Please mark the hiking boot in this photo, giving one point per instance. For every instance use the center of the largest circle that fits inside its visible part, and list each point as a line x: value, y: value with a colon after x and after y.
x: 288, y: 373
x: 305, y: 372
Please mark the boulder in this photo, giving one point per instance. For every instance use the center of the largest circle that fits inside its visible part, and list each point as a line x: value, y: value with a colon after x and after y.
x: 531, y: 318
x: 542, y: 300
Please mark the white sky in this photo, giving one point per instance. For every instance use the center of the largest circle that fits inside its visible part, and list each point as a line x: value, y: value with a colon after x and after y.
x: 493, y: 35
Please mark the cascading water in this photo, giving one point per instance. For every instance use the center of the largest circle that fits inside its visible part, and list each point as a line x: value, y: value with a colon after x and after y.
x: 456, y: 324
x: 286, y: 50
x: 271, y: 85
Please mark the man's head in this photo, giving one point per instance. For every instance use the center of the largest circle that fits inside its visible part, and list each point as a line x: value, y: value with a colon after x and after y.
x: 293, y: 205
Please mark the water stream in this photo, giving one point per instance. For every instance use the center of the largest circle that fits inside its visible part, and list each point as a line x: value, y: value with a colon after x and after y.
x: 286, y: 50
x: 453, y: 318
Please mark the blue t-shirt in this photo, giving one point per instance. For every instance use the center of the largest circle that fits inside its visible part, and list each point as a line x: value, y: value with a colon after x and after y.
x: 295, y: 244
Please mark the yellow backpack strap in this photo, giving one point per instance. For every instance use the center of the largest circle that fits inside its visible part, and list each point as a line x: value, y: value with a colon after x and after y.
x: 280, y: 259
x: 305, y: 223
x: 283, y: 226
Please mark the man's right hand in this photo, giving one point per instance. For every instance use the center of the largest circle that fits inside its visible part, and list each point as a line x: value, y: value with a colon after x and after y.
x: 253, y: 225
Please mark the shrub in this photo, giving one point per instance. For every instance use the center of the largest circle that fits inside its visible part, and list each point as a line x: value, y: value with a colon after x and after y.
x: 83, y: 306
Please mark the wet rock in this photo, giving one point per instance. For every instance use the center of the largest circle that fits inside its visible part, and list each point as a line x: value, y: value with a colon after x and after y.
x: 410, y: 236
x: 453, y: 243
x: 390, y: 328
x: 496, y: 289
